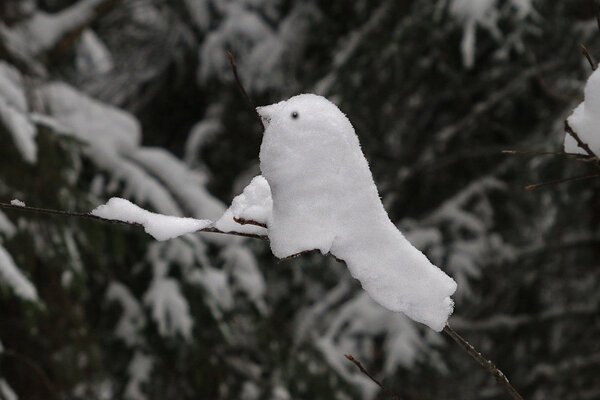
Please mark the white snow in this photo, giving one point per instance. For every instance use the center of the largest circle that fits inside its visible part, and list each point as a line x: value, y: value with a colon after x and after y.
x: 22, y: 131
x: 17, y: 202
x: 6, y: 391
x: 253, y: 204
x: 92, y: 55
x: 161, y: 227
x: 170, y: 310
x: 139, y: 370
x: 14, y: 278
x: 473, y: 13
x: 324, y: 198
x: 484, y: 13
x: 6, y: 227
x: 585, y: 119
x: 132, y: 318
x: 247, y: 278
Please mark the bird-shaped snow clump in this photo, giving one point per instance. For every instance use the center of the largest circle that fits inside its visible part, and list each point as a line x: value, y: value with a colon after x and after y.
x: 324, y: 198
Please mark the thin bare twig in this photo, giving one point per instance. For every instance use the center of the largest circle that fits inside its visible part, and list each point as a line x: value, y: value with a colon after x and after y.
x: 209, y: 229
x: 580, y: 142
x: 549, y: 153
x: 36, y: 368
x: 362, y: 369
x: 557, y: 181
x: 589, y: 57
x: 241, y: 87
x: 484, y: 362
x: 243, y: 221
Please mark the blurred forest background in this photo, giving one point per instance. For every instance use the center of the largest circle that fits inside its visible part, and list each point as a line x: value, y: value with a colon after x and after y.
x: 135, y: 98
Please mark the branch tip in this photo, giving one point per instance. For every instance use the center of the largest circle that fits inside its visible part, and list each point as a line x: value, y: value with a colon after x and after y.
x: 241, y: 87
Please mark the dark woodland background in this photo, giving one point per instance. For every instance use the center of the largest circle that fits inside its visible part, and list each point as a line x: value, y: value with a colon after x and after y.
x: 135, y: 98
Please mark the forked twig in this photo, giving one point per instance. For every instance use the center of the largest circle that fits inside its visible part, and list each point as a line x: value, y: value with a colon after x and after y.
x: 362, y: 369
x: 580, y: 143
x: 484, y: 362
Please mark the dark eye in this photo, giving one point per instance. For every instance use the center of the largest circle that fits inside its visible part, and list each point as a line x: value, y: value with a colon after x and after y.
x: 295, y: 114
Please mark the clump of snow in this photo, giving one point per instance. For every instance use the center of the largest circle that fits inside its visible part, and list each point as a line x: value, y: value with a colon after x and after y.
x: 324, y: 198
x: 139, y: 371
x: 585, y: 119
x: 253, y: 204
x: 170, y: 310
x: 161, y: 227
x: 13, y: 112
x: 6, y: 391
x: 247, y: 278
x: 22, y: 131
x: 132, y: 319
x: 17, y: 202
x: 484, y: 13
x: 14, y: 278
x: 473, y: 13
x: 92, y: 55
x: 6, y: 227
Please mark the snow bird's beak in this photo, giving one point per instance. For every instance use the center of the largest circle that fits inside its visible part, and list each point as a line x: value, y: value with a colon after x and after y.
x: 266, y: 113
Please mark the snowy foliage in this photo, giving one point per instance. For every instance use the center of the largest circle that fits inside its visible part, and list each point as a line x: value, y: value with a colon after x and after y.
x: 139, y: 103
x: 485, y: 14
x: 14, y: 278
x: 13, y: 112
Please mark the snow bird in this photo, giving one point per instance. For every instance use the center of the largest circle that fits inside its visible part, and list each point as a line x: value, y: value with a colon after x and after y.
x: 325, y: 198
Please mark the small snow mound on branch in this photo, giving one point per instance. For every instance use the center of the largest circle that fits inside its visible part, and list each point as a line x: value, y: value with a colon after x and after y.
x: 324, y: 198
x: 17, y: 202
x: 585, y: 119
x: 254, y: 204
x: 161, y: 227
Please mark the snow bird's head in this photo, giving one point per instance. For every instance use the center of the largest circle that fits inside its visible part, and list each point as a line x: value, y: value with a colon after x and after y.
x: 304, y: 117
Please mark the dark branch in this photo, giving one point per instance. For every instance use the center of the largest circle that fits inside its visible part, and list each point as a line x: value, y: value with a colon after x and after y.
x: 484, y: 362
x: 241, y: 87
x: 549, y: 153
x: 36, y: 368
x: 371, y: 377
x: 589, y: 57
x: 243, y: 221
x: 210, y: 229
x: 557, y: 181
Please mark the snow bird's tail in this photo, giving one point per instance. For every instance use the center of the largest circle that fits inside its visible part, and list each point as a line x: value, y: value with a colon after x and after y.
x: 399, y: 276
